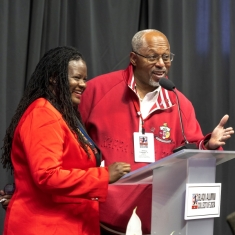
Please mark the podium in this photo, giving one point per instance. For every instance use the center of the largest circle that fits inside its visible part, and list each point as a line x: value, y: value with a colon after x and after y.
x: 168, y: 177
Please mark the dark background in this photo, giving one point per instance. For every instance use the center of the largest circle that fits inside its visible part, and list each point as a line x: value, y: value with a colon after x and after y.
x: 201, y: 34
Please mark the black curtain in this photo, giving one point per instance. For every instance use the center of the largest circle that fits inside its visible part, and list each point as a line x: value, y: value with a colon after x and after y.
x: 201, y: 34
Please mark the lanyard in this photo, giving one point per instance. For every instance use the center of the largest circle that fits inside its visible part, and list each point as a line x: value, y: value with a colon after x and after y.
x: 137, y: 108
x: 91, y: 143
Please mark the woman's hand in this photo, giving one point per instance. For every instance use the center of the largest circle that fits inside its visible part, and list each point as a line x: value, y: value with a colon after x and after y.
x: 117, y: 170
x: 4, y: 199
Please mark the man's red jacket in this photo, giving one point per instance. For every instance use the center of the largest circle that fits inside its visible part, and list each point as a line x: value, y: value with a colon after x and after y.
x: 111, y: 118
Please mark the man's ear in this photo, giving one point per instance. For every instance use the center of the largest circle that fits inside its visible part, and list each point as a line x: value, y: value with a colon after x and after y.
x: 133, y: 58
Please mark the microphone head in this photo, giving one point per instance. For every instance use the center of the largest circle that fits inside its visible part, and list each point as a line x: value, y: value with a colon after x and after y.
x: 167, y: 84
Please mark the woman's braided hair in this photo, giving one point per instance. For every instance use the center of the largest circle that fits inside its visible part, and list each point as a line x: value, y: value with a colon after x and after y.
x: 53, y: 65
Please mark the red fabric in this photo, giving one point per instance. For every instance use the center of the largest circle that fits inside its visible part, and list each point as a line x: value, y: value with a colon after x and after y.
x: 110, y: 118
x: 55, y: 180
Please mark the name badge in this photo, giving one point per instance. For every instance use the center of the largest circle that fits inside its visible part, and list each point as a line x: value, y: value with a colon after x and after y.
x: 144, y: 147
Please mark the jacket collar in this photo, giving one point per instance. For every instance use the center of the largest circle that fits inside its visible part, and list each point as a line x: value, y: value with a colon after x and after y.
x: 164, y: 100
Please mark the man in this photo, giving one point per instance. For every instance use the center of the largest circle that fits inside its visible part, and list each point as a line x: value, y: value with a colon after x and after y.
x: 118, y: 104
x: 124, y: 102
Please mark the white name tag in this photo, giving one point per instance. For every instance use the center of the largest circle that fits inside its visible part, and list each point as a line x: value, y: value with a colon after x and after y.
x: 144, y: 147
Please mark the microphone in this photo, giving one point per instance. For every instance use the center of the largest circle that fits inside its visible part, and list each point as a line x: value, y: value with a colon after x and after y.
x: 170, y: 86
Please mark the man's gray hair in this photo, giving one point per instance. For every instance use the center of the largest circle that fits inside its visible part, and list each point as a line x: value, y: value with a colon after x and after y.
x: 137, y: 41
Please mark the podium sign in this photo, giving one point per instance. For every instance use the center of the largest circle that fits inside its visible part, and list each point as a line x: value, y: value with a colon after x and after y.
x: 202, y: 201
x: 169, y: 177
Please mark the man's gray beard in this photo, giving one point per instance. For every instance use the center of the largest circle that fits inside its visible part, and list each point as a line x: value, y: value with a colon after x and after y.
x: 153, y: 83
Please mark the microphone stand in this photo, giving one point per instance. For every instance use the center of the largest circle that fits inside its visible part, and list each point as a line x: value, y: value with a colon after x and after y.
x: 187, y: 145
x: 169, y: 85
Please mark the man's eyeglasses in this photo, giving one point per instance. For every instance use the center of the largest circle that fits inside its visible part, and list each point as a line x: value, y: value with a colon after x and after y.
x: 155, y: 58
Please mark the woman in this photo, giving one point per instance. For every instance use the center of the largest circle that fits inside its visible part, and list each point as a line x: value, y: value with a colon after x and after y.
x: 55, y: 163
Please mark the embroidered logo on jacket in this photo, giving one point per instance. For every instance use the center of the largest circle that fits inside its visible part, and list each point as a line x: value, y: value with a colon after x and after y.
x: 164, y: 134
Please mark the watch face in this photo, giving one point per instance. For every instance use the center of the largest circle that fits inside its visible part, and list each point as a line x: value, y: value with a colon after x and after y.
x: 9, y: 189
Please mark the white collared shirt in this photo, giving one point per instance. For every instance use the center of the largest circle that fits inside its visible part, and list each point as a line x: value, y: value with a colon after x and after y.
x: 148, y: 101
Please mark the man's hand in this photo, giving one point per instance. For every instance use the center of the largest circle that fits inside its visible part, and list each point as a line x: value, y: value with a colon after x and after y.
x: 220, y: 134
x: 4, y: 199
x: 117, y: 170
